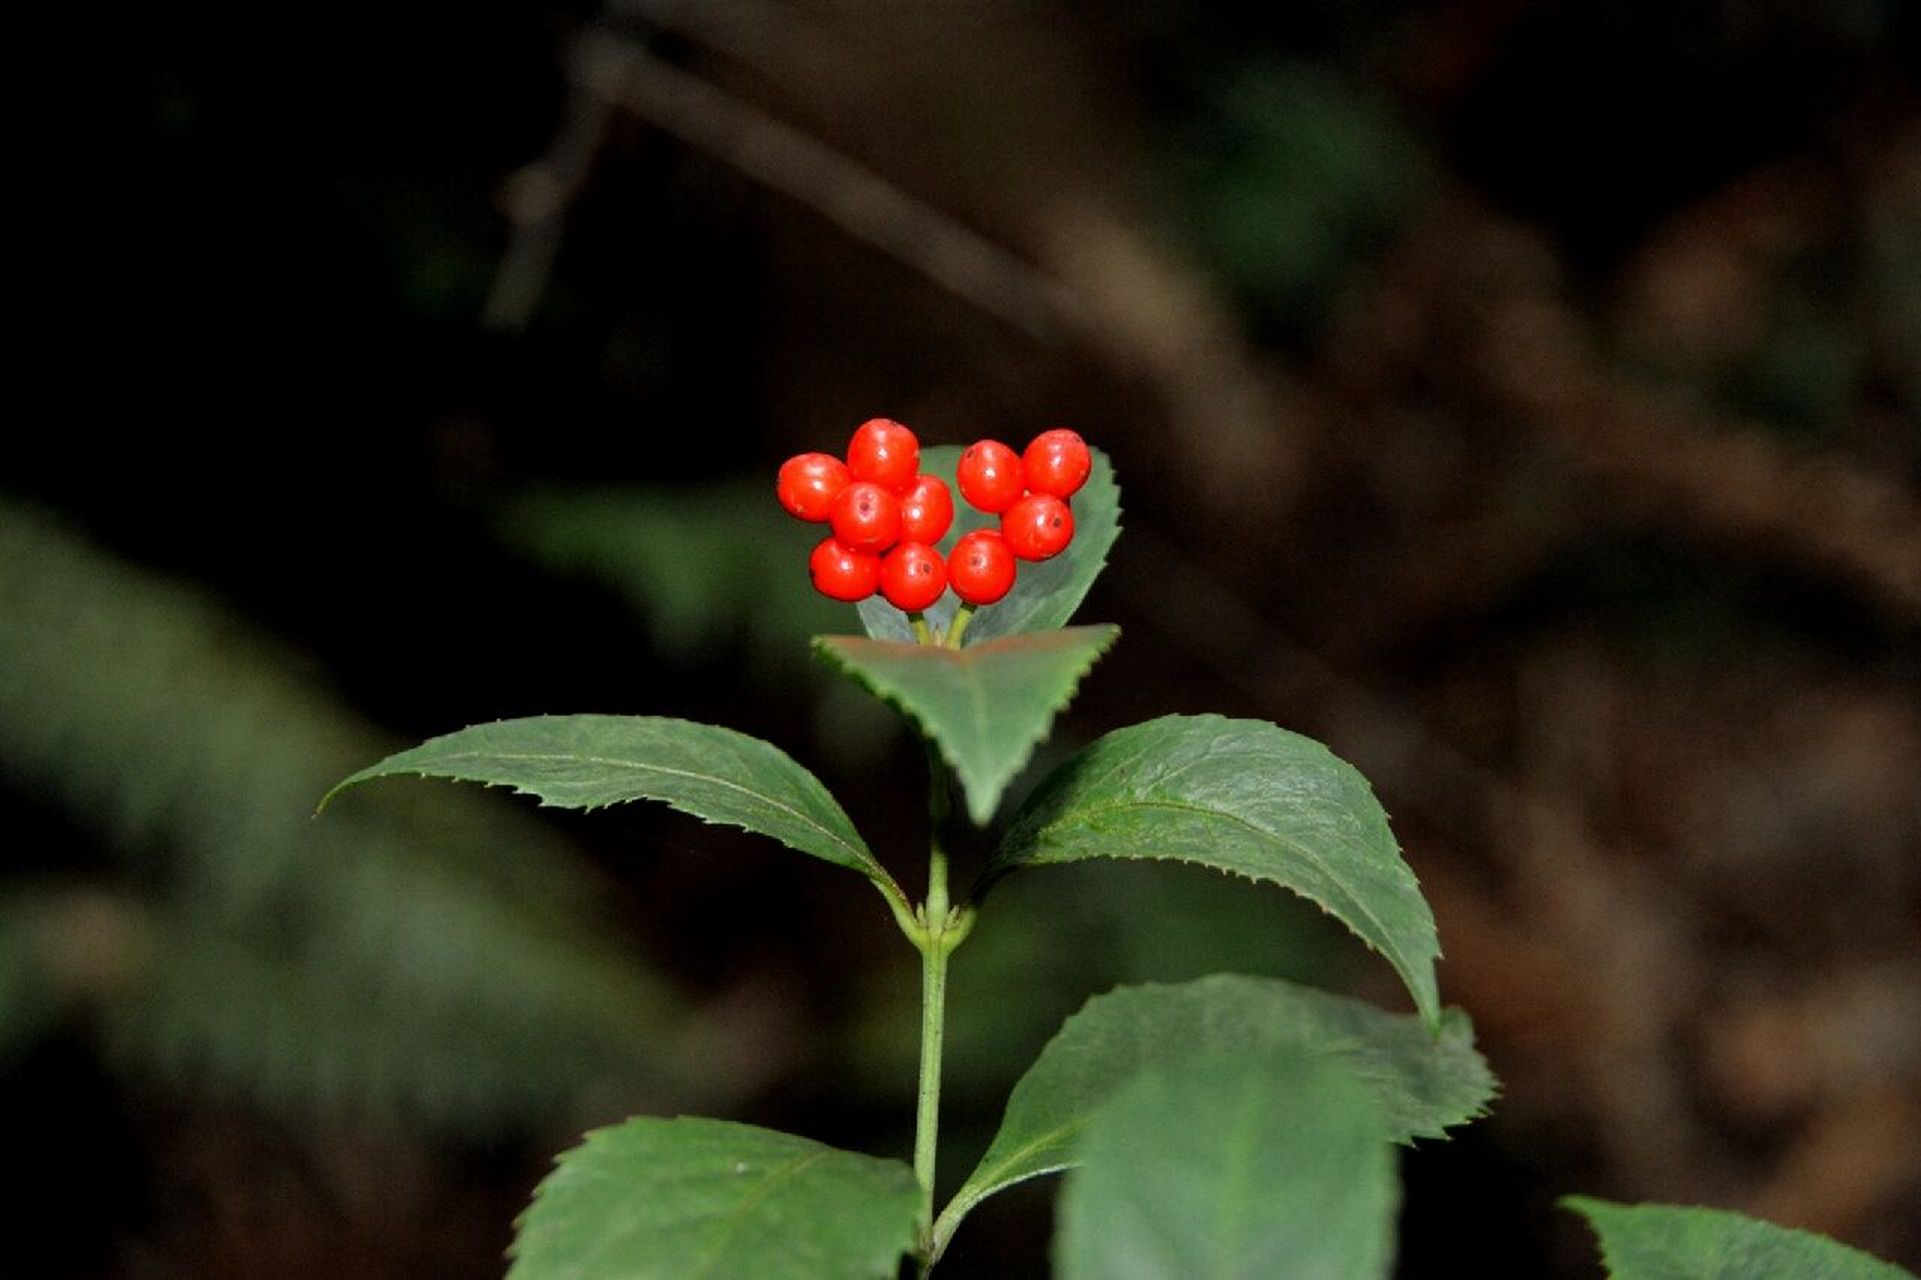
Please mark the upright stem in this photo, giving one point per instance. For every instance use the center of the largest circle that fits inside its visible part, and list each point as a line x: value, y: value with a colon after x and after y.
x: 933, y: 1009
x: 942, y: 929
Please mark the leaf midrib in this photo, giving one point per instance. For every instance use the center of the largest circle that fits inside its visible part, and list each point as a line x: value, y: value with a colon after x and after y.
x: 977, y: 701
x: 1230, y: 1221
x: 863, y: 858
x: 970, y: 748
x: 963, y: 1203
x: 739, y: 1215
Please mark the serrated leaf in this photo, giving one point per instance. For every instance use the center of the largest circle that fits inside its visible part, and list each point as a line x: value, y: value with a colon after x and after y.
x: 1046, y: 594
x: 1673, y: 1242
x: 1246, y: 797
x: 1237, y: 1168
x: 588, y: 761
x: 655, y: 1199
x: 985, y: 705
x: 1424, y: 1082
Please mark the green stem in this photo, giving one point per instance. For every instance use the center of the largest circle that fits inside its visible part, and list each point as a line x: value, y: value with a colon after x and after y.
x: 922, y: 635
x: 933, y: 1010
x: 962, y: 616
x: 943, y: 927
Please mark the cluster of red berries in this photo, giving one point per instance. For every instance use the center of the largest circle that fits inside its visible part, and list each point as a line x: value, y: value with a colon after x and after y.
x: 886, y: 516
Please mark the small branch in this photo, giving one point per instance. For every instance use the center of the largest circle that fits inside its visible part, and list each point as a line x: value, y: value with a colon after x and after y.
x: 536, y: 198
x: 772, y: 39
x: 838, y: 187
x: 1727, y: 477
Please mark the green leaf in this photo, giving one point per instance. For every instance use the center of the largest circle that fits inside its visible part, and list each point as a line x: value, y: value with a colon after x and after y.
x: 1045, y: 595
x: 587, y: 761
x: 1671, y: 1242
x: 1236, y: 1168
x: 655, y: 1199
x: 1423, y: 1082
x: 1241, y: 796
x: 984, y: 705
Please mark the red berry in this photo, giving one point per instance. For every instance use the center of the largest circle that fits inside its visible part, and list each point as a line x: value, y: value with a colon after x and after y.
x: 1057, y: 462
x: 866, y: 517
x: 926, y: 511
x: 884, y: 452
x: 990, y: 475
x: 809, y: 483
x: 912, y: 576
x: 842, y: 573
x: 1038, y: 527
x: 981, y: 568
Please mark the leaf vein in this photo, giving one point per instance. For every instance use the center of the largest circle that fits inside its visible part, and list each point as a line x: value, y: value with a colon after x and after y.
x: 740, y: 1212
x: 865, y: 859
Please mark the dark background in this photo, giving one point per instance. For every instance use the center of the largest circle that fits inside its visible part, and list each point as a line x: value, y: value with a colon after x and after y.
x: 1524, y: 398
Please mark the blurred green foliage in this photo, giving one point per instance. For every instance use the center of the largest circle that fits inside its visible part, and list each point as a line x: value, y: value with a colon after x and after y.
x: 703, y: 567
x: 715, y: 570
x: 1291, y: 176
x: 419, y: 954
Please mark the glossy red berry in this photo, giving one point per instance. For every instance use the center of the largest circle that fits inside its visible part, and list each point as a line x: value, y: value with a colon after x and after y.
x: 842, y: 573
x: 981, y: 567
x: 990, y: 476
x: 1038, y: 527
x: 866, y: 517
x: 809, y: 483
x: 884, y: 452
x: 926, y: 510
x: 1057, y: 462
x: 912, y: 576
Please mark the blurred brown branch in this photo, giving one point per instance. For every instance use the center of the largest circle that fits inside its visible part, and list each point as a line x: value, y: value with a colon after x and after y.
x: 1103, y: 277
x: 1473, y: 295
x: 802, y: 167
x: 535, y: 199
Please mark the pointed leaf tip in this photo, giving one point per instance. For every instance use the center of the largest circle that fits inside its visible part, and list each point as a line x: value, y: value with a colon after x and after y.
x: 590, y: 761
x: 985, y: 706
x: 1242, y: 796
